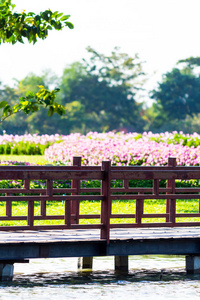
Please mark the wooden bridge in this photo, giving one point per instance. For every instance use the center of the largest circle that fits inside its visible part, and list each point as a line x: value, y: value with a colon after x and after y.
x: 101, y: 236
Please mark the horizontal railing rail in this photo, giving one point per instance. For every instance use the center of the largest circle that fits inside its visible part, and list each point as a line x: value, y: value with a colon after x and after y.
x: 29, y: 207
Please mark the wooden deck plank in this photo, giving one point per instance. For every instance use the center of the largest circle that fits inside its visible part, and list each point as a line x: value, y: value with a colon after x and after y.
x: 94, y: 235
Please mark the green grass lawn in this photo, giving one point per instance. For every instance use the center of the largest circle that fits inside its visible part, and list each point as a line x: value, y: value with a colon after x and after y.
x: 35, y: 159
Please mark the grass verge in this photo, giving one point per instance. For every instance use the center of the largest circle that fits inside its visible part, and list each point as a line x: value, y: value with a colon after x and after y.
x: 33, y: 159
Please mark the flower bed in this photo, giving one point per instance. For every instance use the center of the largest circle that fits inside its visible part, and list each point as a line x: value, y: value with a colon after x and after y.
x: 33, y: 144
x: 121, y: 149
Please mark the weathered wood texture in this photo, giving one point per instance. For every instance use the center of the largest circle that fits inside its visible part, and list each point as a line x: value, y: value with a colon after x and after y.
x: 22, y: 245
x: 106, y: 194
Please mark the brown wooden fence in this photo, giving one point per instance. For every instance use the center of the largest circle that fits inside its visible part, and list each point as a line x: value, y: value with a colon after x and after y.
x: 170, y: 196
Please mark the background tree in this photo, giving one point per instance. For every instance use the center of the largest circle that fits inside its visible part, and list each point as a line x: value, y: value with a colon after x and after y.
x: 105, y: 86
x: 93, y: 102
x: 177, y: 96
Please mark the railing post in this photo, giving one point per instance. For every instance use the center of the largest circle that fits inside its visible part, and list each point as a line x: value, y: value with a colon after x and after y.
x: 199, y: 204
x: 126, y: 183
x: 43, y: 206
x: 68, y: 213
x: 139, y: 210
x: 171, y: 203
x: 106, y: 204
x: 27, y: 184
x: 49, y: 187
x: 49, y: 192
x: 75, y: 184
x: 30, y: 205
x: 9, y: 206
x: 156, y: 187
x: 31, y: 213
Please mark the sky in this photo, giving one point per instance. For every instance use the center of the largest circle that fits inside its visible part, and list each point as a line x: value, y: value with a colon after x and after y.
x: 160, y: 31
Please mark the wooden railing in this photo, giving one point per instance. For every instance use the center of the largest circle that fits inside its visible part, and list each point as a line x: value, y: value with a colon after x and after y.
x: 106, y: 194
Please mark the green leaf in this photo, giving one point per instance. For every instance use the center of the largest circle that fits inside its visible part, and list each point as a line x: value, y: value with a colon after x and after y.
x: 8, y: 33
x: 16, y: 108
x: 31, y: 14
x: 37, y: 18
x: 57, y: 25
x: 22, y: 98
x: 45, y: 16
x: 23, y: 18
x: 24, y: 33
x: 59, y: 15
x: 53, y: 22
x: 70, y: 25
x: 3, y: 104
x: 61, y: 110
x: 35, y: 108
x: 30, y: 94
x: 54, y: 14
x: 7, y: 110
x: 51, y: 111
x: 64, y: 18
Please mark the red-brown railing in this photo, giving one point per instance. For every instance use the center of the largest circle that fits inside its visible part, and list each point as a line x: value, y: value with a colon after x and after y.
x: 105, y: 194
